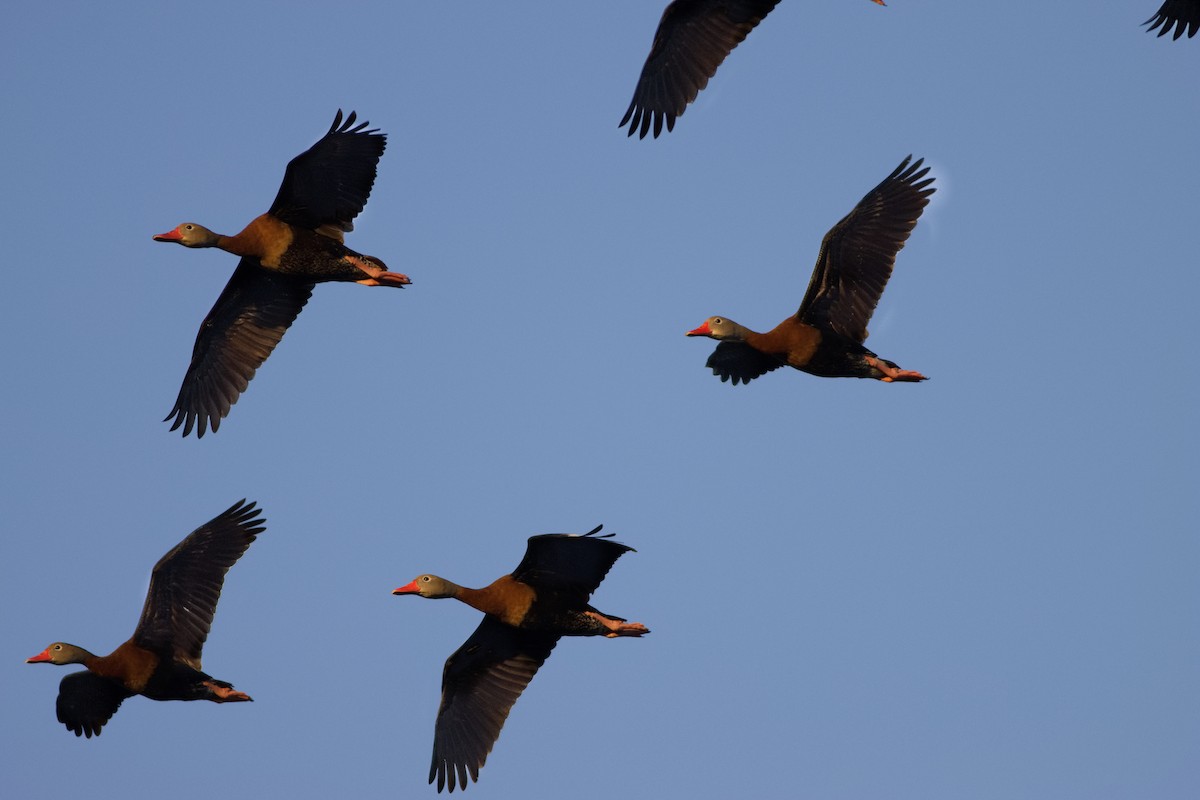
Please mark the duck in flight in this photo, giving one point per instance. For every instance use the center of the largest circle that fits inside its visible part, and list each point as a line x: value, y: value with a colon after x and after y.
x: 525, y: 614
x: 162, y: 658
x: 284, y: 253
x: 825, y: 336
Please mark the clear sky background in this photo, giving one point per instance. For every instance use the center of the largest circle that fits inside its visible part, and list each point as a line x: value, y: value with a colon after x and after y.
x: 981, y: 586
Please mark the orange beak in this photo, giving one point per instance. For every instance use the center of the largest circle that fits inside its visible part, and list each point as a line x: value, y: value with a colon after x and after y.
x: 169, y: 236
x: 408, y: 588
x: 40, y: 657
x: 703, y: 330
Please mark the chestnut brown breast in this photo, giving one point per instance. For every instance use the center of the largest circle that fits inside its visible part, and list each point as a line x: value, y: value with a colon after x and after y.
x: 505, y: 598
x: 791, y: 341
x: 266, y: 238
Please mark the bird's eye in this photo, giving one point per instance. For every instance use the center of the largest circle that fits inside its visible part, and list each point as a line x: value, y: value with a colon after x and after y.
x: 425, y: 578
x: 58, y: 647
x: 188, y: 227
x: 717, y: 320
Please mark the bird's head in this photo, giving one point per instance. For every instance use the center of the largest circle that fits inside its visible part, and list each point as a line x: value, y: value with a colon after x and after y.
x: 720, y: 328
x: 60, y: 653
x: 189, y: 234
x: 430, y: 586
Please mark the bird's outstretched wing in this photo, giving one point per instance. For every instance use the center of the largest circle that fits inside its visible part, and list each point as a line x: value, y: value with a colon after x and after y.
x: 692, y: 39
x: 328, y: 184
x: 480, y: 684
x: 186, y: 584
x: 1182, y: 15
x: 254, y: 310
x: 858, y: 253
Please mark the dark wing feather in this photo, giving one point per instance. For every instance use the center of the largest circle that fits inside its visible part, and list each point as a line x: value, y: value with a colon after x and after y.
x: 1180, y: 14
x: 186, y: 584
x: 858, y: 254
x: 692, y: 39
x: 739, y: 362
x: 86, y: 702
x: 241, y: 330
x: 480, y: 684
x: 571, y: 565
x: 329, y: 183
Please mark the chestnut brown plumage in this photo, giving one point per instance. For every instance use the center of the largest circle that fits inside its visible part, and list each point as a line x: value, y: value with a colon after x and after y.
x: 825, y: 335
x: 162, y: 658
x: 296, y: 244
x: 692, y: 39
x: 1182, y: 15
x: 525, y: 614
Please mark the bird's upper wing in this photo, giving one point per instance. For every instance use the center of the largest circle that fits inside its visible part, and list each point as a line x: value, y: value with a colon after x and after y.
x: 570, y: 565
x: 739, y: 362
x: 241, y: 330
x: 858, y: 253
x: 480, y: 684
x: 692, y: 39
x: 86, y: 701
x: 1180, y: 14
x: 186, y: 584
x: 328, y: 184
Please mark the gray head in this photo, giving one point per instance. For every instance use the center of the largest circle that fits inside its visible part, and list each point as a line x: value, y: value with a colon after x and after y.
x: 430, y: 586
x: 190, y: 234
x: 721, y: 328
x: 60, y: 653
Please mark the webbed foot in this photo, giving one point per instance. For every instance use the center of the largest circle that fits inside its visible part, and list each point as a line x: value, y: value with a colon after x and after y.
x: 226, y: 694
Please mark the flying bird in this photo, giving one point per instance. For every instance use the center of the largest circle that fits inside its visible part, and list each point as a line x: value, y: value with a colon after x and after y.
x: 692, y: 39
x: 525, y: 613
x: 162, y: 658
x: 825, y: 337
x: 1180, y: 14
x: 285, y: 252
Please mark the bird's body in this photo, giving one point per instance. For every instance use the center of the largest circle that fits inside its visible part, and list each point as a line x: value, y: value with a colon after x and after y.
x: 825, y: 336
x: 526, y: 613
x: 825, y: 354
x: 161, y: 660
x: 693, y: 37
x: 298, y: 243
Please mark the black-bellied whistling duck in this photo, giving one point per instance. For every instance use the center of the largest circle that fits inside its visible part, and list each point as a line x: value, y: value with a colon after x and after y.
x: 525, y: 613
x: 296, y: 244
x: 162, y: 658
x: 692, y: 39
x: 1182, y: 15
x: 825, y: 336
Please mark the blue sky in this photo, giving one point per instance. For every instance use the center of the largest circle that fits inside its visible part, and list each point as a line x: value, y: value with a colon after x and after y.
x: 980, y: 586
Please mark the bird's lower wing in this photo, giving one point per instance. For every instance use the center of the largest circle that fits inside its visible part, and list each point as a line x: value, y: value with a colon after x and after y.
x: 740, y: 363
x: 87, y: 701
x: 480, y: 684
x: 250, y: 317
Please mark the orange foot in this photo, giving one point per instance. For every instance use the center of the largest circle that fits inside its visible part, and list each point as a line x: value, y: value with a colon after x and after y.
x: 891, y: 373
x: 379, y: 276
x: 386, y: 279
x: 225, y: 694
x: 617, y: 627
x: 904, y: 375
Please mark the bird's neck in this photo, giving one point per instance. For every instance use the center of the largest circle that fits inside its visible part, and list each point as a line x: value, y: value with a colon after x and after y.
x: 743, y: 334
x: 78, y: 655
x: 265, y: 238
x: 505, y: 598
